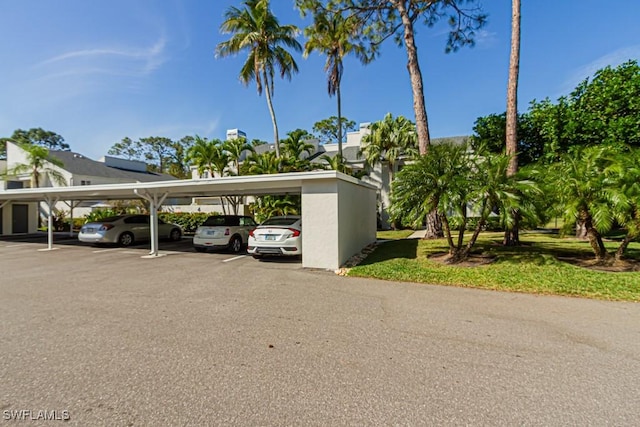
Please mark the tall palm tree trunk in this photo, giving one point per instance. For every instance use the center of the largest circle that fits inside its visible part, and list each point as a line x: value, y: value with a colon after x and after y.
x: 511, y: 236
x: 512, y: 91
x: 35, y: 179
x: 434, y: 224
x: 339, y: 121
x: 413, y: 66
x: 273, y: 114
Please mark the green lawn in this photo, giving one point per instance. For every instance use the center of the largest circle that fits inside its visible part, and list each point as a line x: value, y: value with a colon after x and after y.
x: 394, y: 234
x: 533, y: 267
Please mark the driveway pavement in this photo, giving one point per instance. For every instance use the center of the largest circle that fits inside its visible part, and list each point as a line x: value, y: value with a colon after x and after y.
x: 216, y: 339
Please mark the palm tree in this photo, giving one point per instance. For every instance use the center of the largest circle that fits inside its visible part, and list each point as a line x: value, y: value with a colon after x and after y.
x: 265, y: 163
x: 389, y: 140
x: 450, y: 179
x: 512, y: 89
x: 234, y: 148
x: 212, y: 156
x: 587, y: 194
x: 626, y: 175
x: 336, y: 163
x: 204, y: 155
x: 436, y: 182
x: 255, y: 29
x: 39, y: 163
x: 511, y: 236
x: 294, y: 147
x: 221, y: 160
x: 267, y: 206
x: 331, y: 34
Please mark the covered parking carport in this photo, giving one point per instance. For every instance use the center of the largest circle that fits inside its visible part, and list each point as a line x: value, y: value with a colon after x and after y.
x: 338, y: 211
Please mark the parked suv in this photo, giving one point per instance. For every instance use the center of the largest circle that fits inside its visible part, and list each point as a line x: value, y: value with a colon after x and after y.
x: 224, y: 231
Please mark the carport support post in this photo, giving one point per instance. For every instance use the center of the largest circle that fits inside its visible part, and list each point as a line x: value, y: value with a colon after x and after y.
x: 155, y: 201
x: 50, y: 202
x: 2, y: 205
x: 71, y: 205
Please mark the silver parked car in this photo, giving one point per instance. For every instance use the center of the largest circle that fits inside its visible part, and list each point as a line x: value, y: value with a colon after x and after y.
x: 126, y: 229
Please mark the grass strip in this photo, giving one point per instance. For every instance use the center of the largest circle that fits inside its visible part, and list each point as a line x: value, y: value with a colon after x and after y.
x: 534, y: 267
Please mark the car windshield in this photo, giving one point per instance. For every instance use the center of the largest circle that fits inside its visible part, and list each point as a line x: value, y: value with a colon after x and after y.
x: 280, y: 221
x: 213, y: 221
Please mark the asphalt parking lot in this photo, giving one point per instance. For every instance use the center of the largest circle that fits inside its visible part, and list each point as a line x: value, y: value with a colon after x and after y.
x: 103, y: 336
x: 137, y: 252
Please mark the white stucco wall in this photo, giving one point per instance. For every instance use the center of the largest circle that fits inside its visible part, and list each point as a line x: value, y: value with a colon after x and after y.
x: 356, y: 217
x: 338, y: 220
x: 320, y: 224
x: 15, y: 155
x: 379, y: 176
x: 7, y: 219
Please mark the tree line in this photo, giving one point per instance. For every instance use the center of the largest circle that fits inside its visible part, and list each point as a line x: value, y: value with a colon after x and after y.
x: 578, y: 159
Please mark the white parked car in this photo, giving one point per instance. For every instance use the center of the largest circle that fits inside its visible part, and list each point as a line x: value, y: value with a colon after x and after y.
x: 223, y: 231
x: 279, y: 235
x: 126, y: 230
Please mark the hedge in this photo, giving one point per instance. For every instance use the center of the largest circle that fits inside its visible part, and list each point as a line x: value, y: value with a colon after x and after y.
x: 189, y: 221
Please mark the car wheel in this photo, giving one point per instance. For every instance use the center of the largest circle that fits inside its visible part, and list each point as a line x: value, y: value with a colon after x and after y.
x: 175, y: 235
x: 235, y: 245
x: 125, y: 239
x: 198, y: 249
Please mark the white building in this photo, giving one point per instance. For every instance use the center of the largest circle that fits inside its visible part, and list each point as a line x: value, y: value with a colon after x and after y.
x: 235, y: 134
x: 76, y: 170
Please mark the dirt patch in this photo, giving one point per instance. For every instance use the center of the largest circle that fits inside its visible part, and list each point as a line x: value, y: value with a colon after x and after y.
x: 474, y: 260
x: 610, y: 265
x: 356, y: 259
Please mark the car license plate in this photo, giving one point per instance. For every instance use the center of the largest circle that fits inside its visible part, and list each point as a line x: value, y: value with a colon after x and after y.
x: 211, y: 232
x: 89, y: 230
x: 270, y: 237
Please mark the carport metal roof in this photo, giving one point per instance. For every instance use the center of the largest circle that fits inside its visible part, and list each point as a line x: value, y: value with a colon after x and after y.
x: 156, y: 192
x: 249, y: 185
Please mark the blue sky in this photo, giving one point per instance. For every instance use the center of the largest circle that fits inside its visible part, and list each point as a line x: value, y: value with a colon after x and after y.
x: 96, y: 72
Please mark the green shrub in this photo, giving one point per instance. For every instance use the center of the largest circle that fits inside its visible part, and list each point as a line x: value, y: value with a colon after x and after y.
x: 189, y: 221
x: 267, y: 206
x: 492, y: 224
x: 98, y: 214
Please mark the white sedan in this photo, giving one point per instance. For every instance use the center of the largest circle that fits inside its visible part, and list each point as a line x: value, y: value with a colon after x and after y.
x: 279, y: 235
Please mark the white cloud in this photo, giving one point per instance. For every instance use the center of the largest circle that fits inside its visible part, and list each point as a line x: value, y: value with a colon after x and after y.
x: 486, y: 39
x: 613, y: 59
x: 138, y: 62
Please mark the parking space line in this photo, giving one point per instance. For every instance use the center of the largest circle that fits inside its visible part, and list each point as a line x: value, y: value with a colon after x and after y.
x: 234, y: 258
x: 19, y: 244
x: 105, y: 250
